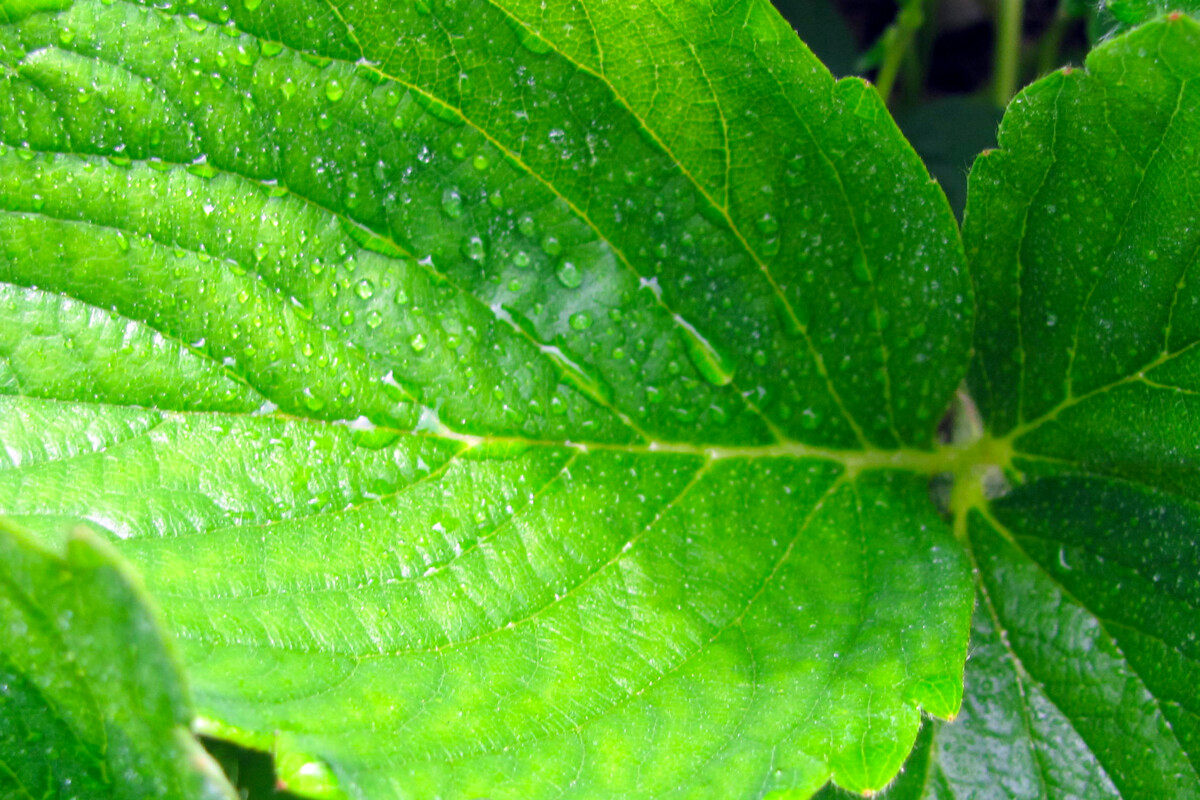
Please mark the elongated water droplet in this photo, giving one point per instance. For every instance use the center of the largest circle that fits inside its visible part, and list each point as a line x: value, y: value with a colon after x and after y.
x: 452, y: 203
x: 582, y: 376
x: 717, y: 368
x: 528, y: 39
x: 793, y: 314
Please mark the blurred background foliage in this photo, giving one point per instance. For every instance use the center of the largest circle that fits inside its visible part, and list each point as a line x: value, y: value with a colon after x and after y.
x: 947, y: 68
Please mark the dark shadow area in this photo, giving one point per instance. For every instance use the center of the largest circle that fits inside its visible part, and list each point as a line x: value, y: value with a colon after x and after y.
x: 252, y: 772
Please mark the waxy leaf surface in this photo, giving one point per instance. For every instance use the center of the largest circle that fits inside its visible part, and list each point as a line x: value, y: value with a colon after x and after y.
x: 91, y: 701
x: 507, y: 399
x: 1083, y: 232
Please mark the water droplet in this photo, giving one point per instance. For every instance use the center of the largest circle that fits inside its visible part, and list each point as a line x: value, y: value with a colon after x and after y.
x: 250, y: 5
x: 551, y: 246
x: 809, y: 419
x: 569, y: 275
x: 417, y: 342
x: 480, y: 162
x: 334, y: 90
x: 401, y: 297
x: 347, y: 317
x: 581, y: 321
x: 520, y: 259
x: 452, y: 203
x: 767, y: 224
x: 458, y: 150
x: 365, y: 289
x: 716, y: 368
x: 243, y: 296
x: 373, y: 438
x: 474, y: 249
x: 526, y: 226
x: 245, y: 55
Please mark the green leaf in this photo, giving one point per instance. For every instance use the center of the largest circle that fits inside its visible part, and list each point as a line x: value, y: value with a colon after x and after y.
x: 948, y: 133
x: 91, y: 701
x: 1083, y: 231
x: 1121, y: 15
x: 506, y: 399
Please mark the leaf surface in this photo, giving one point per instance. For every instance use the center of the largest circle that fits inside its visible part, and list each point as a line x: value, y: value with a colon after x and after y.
x: 91, y: 701
x: 1083, y: 232
x: 501, y: 399
x: 1120, y: 15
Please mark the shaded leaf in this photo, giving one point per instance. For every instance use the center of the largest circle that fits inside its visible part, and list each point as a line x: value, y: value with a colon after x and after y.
x: 91, y: 702
x: 1083, y: 231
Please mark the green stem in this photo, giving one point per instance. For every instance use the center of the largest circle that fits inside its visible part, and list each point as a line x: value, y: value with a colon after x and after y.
x: 896, y: 41
x: 1008, y: 50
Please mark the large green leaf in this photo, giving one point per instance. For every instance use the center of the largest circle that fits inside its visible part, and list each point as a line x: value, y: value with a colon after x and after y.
x: 91, y: 702
x: 516, y: 399
x: 1084, y: 232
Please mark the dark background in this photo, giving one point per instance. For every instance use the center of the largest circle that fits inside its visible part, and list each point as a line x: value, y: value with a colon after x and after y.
x: 943, y: 99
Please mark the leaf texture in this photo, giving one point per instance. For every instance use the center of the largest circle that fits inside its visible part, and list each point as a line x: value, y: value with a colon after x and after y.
x: 91, y: 701
x: 509, y: 399
x: 1083, y: 235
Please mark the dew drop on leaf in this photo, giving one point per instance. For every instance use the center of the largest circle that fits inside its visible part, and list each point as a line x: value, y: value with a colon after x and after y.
x: 452, y: 203
x: 717, y: 368
x: 569, y: 275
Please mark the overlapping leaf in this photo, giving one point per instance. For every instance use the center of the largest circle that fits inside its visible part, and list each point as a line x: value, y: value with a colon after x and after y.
x: 91, y: 702
x: 510, y: 399
x: 1084, y: 232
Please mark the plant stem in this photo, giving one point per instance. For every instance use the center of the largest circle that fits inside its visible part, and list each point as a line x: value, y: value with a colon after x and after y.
x: 1008, y: 50
x: 896, y: 41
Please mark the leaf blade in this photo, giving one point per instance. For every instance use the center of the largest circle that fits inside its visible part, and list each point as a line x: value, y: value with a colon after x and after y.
x: 1079, y: 234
